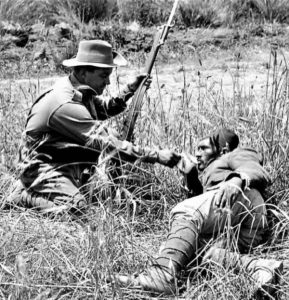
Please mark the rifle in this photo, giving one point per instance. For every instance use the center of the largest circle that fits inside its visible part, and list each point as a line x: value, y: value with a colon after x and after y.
x: 160, y: 37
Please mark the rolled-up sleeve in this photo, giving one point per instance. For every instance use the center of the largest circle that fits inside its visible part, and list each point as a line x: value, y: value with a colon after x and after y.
x: 101, y: 138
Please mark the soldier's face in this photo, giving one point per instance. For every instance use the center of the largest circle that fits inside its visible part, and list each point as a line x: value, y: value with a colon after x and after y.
x: 205, y: 153
x: 97, y: 79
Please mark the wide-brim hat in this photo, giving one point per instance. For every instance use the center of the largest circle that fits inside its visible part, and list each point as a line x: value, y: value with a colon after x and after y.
x: 96, y: 53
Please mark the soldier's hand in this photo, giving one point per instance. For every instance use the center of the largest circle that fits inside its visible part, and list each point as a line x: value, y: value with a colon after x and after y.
x: 187, y: 164
x: 133, y: 86
x: 168, y: 158
x: 228, y: 193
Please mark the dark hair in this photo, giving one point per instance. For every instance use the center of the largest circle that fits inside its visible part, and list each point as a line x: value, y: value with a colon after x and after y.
x: 225, y: 138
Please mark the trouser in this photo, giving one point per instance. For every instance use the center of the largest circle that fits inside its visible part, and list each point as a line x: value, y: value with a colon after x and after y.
x: 52, y: 190
x: 246, y: 219
x: 195, y: 223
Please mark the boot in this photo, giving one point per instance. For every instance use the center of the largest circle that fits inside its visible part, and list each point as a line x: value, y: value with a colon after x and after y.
x: 265, y: 272
x: 20, y: 197
x: 155, y: 280
x: 177, y: 252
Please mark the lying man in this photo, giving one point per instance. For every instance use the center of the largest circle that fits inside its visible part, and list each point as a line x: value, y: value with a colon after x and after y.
x: 65, y: 133
x: 227, y: 208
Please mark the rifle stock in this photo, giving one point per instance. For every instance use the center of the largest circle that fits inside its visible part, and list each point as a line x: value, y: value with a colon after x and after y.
x: 159, y: 39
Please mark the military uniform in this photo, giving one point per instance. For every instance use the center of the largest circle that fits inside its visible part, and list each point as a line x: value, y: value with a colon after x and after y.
x: 201, y: 231
x: 64, y: 134
x: 246, y: 214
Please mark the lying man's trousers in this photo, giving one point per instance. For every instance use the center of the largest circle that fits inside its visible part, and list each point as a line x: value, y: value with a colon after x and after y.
x: 245, y: 223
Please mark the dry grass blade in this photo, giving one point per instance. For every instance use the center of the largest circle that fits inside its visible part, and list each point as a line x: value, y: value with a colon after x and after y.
x: 126, y: 222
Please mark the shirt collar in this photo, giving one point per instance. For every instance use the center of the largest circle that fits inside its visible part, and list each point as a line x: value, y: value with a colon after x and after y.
x: 79, y: 87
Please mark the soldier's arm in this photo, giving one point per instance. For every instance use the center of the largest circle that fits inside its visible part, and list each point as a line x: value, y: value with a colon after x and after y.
x: 114, y: 106
x: 73, y: 121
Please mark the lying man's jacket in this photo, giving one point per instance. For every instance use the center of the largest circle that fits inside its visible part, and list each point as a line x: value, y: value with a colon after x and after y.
x: 242, y: 162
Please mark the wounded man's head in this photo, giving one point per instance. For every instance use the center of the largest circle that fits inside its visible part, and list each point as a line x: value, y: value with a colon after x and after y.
x: 220, y: 142
x: 224, y: 140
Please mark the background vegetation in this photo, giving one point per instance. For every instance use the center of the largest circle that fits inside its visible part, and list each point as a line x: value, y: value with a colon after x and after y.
x: 63, y: 258
x: 147, y: 13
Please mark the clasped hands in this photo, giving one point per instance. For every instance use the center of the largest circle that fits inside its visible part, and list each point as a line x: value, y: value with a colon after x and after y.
x: 186, y: 163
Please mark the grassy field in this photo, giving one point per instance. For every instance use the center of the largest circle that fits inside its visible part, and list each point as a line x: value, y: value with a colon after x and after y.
x: 204, y: 78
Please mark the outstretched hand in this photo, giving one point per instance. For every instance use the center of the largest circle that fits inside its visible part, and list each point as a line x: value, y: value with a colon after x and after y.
x: 228, y: 193
x: 188, y: 163
x: 168, y: 158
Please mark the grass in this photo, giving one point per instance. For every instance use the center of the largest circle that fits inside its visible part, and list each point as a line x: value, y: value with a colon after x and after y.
x: 64, y: 258
x: 212, y: 13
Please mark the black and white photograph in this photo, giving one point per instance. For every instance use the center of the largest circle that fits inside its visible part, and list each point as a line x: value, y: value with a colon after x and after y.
x: 144, y: 149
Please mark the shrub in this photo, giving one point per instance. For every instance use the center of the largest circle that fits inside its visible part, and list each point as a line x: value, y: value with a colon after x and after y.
x: 203, y: 12
x: 272, y: 10
x: 88, y: 10
x: 48, y: 11
x: 260, y: 10
x: 25, y: 12
x: 147, y: 13
x: 227, y: 12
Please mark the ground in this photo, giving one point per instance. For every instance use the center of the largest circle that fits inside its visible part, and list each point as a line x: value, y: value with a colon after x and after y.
x: 220, y: 76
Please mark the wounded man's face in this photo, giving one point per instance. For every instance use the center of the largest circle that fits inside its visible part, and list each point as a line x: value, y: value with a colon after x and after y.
x: 205, y: 153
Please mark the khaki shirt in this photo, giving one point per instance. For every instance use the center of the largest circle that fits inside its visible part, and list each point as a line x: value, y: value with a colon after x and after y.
x: 65, y: 125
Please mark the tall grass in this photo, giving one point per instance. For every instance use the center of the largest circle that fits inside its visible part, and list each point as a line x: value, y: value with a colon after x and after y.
x: 276, y: 119
x: 24, y: 12
x: 51, y: 11
x: 147, y: 13
x: 43, y: 258
x: 271, y: 10
x: 224, y: 12
x: 203, y: 13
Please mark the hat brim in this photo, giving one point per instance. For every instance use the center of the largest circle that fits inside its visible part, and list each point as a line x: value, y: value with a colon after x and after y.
x: 118, y: 61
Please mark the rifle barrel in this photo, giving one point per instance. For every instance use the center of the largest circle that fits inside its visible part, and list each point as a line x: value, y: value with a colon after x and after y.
x: 138, y: 97
x: 173, y: 11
